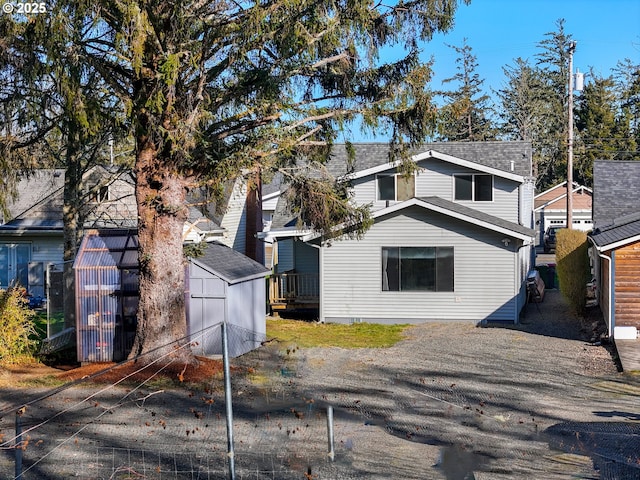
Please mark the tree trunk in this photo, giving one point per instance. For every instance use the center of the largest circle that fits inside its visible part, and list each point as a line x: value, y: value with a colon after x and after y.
x: 72, y: 228
x: 162, y: 327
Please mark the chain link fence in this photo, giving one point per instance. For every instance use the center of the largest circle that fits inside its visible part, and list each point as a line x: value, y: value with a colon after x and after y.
x: 413, y: 426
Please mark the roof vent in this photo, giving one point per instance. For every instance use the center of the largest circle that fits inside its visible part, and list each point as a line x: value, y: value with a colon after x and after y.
x: 513, y: 165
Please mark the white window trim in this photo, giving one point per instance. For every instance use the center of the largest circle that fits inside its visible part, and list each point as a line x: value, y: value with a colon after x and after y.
x: 395, y: 186
x: 473, y: 190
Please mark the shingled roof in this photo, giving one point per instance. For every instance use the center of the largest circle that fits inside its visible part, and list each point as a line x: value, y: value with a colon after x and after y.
x: 498, y: 155
x: 622, y: 229
x: 491, y: 154
x: 39, y: 201
x: 615, y: 191
x: 231, y: 266
x: 476, y: 215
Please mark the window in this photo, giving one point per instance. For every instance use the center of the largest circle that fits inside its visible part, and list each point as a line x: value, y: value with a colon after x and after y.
x: 98, y: 193
x: 396, y: 187
x: 476, y: 187
x: 427, y: 269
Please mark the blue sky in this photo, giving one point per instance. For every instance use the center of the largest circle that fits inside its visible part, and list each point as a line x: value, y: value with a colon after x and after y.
x: 498, y: 31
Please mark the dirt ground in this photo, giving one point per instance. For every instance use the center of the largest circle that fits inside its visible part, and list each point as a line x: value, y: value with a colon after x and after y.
x: 542, y: 399
x: 28, y: 375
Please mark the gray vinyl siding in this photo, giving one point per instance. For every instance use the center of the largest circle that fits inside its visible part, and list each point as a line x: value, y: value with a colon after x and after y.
x: 285, y: 255
x: 485, y: 282
x: 436, y: 179
x: 235, y: 219
x: 295, y: 255
x: 47, y: 250
x: 306, y: 258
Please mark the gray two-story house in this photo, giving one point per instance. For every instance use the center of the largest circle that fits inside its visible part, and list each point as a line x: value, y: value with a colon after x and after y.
x: 452, y: 242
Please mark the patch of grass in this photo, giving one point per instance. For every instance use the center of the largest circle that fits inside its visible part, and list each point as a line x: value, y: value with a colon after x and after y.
x: 356, y: 335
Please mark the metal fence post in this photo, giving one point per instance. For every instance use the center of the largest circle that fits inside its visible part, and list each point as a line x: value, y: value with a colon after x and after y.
x: 330, y: 432
x: 18, y: 444
x: 227, y: 398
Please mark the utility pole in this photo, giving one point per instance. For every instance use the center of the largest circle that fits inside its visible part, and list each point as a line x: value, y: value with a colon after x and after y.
x: 572, y: 48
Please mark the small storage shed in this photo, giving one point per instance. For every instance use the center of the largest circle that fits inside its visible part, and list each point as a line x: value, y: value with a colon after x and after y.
x: 106, y: 281
x: 221, y: 286
x: 226, y: 286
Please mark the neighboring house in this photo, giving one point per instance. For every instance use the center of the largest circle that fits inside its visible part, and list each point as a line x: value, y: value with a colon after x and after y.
x: 31, y: 237
x: 452, y: 242
x: 550, y: 208
x: 615, y: 243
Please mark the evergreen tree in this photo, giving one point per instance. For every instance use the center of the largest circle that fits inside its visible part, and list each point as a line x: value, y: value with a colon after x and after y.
x: 214, y: 88
x: 599, y: 133
x: 58, y: 104
x: 521, y: 102
x: 466, y: 115
x: 551, y: 145
x: 627, y: 81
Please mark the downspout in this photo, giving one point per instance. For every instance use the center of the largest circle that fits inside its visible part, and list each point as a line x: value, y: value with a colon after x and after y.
x: 519, y: 280
x: 610, y: 293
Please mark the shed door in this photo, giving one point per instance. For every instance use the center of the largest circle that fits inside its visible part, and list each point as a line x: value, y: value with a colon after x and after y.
x: 207, y: 309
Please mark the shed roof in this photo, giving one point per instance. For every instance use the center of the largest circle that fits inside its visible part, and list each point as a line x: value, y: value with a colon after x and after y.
x: 231, y: 266
x: 116, y: 248
x: 623, y: 230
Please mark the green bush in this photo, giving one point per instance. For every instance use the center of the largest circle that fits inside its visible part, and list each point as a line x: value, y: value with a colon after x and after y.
x: 573, y: 267
x: 18, y: 338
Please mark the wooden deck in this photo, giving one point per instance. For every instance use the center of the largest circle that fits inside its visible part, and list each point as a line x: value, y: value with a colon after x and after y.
x: 291, y: 292
x: 629, y: 353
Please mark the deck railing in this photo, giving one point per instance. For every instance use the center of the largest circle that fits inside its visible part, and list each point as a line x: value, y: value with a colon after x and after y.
x: 293, y: 287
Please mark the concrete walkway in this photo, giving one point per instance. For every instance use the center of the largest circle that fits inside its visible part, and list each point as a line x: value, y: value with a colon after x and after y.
x: 629, y: 353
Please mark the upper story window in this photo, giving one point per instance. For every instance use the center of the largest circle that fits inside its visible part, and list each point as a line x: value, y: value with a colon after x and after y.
x: 98, y: 193
x: 396, y: 187
x: 473, y: 187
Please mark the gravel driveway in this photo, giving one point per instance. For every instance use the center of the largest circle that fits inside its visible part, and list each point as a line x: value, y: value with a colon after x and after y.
x: 451, y: 401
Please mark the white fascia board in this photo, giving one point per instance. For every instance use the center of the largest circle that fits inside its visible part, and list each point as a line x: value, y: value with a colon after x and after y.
x: 273, y: 235
x: 446, y: 158
x: 271, y: 195
x: 618, y: 244
x: 467, y: 164
x: 550, y: 189
x: 450, y: 213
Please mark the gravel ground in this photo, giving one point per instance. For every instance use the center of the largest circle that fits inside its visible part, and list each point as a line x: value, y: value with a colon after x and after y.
x: 451, y: 401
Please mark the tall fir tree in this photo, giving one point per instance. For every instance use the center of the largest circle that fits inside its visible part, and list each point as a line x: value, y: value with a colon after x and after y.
x: 626, y: 76
x: 216, y: 88
x: 600, y: 133
x: 521, y: 102
x: 552, y: 144
x: 466, y: 114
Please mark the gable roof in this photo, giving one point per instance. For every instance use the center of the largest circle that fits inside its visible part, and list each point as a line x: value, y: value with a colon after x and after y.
x: 498, y: 155
x: 557, y: 192
x: 464, y: 213
x: 446, y: 158
x: 507, y: 159
x: 615, y: 190
x: 39, y: 201
x: 622, y: 231
x: 582, y: 200
x: 228, y: 264
x: 450, y: 209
